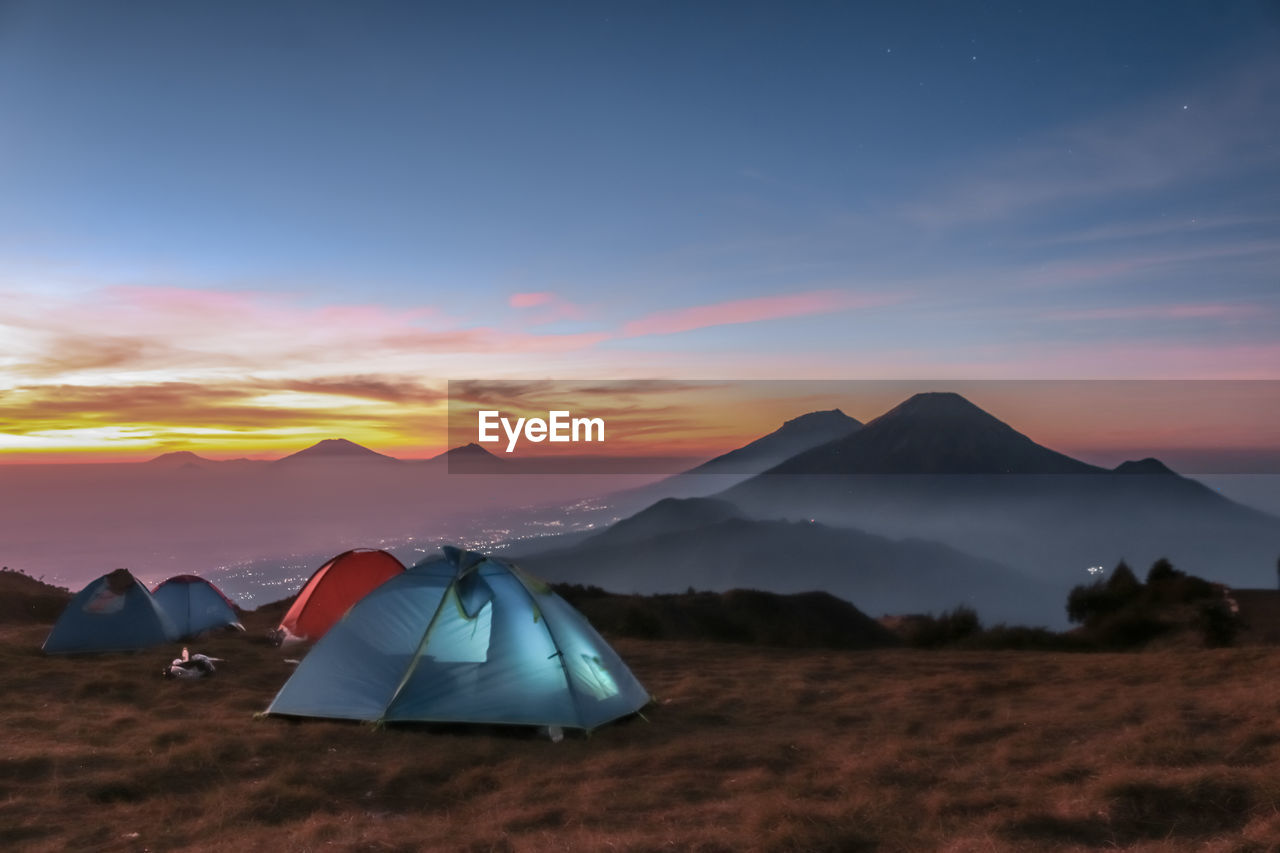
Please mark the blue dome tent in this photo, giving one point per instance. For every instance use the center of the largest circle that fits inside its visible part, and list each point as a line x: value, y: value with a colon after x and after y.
x: 463, y: 638
x: 194, y: 605
x: 114, y: 613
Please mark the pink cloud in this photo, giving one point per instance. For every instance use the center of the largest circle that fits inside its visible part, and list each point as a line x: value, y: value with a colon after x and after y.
x: 530, y: 300
x: 750, y: 311
x: 550, y: 308
x: 167, y: 332
x: 488, y: 340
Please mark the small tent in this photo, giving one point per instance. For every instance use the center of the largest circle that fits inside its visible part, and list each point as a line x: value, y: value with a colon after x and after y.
x: 332, y: 590
x: 114, y: 613
x: 463, y: 638
x: 194, y: 605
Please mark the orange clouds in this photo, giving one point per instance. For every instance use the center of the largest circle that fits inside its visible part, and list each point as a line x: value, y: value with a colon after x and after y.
x: 123, y: 369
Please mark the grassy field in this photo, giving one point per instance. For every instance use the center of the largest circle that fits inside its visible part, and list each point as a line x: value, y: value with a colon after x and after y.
x: 747, y: 747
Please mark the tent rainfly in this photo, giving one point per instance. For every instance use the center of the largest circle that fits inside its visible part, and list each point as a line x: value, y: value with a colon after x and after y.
x: 114, y: 613
x: 463, y: 638
x: 195, y: 605
x: 332, y: 590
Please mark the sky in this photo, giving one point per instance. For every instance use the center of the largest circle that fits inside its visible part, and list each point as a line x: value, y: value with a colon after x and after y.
x: 239, y: 227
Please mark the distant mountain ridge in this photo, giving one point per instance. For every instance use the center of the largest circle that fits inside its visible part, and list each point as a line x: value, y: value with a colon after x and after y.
x: 940, y: 468
x: 932, y: 504
x: 794, y: 436
x: 470, y: 458
x: 710, y: 544
x: 335, y: 449
x: 667, y: 516
x: 468, y: 450
x: 179, y: 459
x: 1146, y: 466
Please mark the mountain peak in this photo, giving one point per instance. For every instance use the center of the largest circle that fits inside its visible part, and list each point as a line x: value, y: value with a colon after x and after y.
x: 465, y: 451
x: 470, y: 458
x: 795, y: 436
x: 825, y: 420
x: 178, y: 459
x: 337, y: 449
x: 937, y: 432
x: 462, y: 452
x: 938, y: 402
x: 1150, y: 465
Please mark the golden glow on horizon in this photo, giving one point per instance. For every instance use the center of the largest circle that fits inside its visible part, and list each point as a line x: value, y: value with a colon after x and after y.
x: 648, y: 419
x: 693, y: 423
x: 131, y: 372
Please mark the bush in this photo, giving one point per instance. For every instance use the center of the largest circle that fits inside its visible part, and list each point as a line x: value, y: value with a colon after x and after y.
x: 1127, y: 630
x: 952, y: 626
x: 1123, y: 613
x: 639, y: 622
x: 1163, y: 570
x: 1087, y: 602
x: 1123, y: 583
x: 1218, y: 625
x: 1090, y: 602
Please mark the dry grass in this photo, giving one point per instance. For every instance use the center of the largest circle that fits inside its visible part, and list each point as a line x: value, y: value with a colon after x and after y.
x: 746, y: 748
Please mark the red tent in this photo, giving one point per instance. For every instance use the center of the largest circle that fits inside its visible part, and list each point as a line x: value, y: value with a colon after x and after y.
x: 332, y: 590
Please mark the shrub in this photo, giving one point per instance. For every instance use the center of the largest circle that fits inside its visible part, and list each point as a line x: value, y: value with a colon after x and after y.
x: 1088, y: 603
x: 1128, y: 629
x: 1218, y: 625
x: 1123, y: 583
x: 638, y: 622
x: 1163, y: 570
x: 952, y: 626
x: 1122, y: 613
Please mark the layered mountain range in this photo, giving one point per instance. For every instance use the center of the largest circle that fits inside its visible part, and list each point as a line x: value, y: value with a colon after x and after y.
x: 936, y: 503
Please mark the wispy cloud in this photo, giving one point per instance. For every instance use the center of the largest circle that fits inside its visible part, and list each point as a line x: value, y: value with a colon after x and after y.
x: 1185, y: 227
x: 1104, y: 360
x: 1182, y: 311
x: 753, y: 311
x: 530, y: 300
x: 174, y: 334
x: 1173, y: 140
x: 1113, y: 266
x: 545, y: 307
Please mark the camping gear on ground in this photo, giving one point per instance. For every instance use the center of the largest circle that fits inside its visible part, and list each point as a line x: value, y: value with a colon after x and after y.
x: 463, y: 638
x: 192, y: 666
x: 114, y: 613
x: 332, y: 590
x: 195, y: 605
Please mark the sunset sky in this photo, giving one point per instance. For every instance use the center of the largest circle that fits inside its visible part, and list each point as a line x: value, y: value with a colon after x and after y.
x: 241, y: 227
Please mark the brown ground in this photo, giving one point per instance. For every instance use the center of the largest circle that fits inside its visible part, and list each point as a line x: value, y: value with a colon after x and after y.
x: 1260, y: 613
x: 747, y: 748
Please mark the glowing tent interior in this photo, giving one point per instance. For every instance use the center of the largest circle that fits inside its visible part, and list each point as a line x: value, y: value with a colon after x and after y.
x: 463, y: 638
